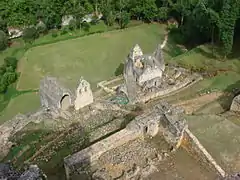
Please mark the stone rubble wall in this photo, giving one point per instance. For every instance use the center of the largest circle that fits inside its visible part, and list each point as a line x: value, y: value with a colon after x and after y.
x: 10, y: 127
x: 150, y: 123
x: 92, y: 153
x: 191, y: 144
x: 51, y: 92
x: 152, y: 95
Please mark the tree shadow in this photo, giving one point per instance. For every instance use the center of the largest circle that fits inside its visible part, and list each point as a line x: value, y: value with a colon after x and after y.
x: 229, y: 93
x: 51, y: 159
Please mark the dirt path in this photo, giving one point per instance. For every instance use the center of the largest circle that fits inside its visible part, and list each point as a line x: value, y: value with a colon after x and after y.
x: 193, y: 104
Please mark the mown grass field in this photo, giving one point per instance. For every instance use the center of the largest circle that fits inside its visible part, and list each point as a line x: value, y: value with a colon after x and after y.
x: 94, y: 57
x: 24, y: 103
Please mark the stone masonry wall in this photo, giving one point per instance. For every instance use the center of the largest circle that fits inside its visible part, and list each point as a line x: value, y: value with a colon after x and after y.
x: 180, y: 85
x: 163, y: 118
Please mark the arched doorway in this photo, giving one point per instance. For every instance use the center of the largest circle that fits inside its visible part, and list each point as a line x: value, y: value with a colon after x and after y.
x: 65, y: 102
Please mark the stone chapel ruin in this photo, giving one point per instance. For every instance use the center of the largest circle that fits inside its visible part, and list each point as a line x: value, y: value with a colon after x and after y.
x: 55, y: 97
x: 147, y: 77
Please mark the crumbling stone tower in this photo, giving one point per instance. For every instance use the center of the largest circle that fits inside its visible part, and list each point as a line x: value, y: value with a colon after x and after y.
x: 142, y: 72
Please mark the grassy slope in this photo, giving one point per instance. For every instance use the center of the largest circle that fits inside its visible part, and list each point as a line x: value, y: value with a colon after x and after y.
x: 95, y: 57
x: 21, y: 104
x: 201, y: 58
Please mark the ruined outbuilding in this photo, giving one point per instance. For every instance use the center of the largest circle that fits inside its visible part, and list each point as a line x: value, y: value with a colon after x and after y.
x: 55, y: 97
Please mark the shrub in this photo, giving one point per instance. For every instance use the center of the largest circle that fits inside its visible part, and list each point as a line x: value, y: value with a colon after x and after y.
x: 95, y: 20
x: 9, y: 69
x: 2, y: 70
x: 86, y: 26
x: 3, y: 87
x: 119, y: 69
x: 3, y: 26
x: 9, y: 78
x: 41, y: 28
x: 124, y: 19
x: 72, y: 25
x: 64, y: 30
x: 3, y: 41
x: 110, y: 18
x: 11, y: 62
x: 30, y: 34
x: 54, y: 34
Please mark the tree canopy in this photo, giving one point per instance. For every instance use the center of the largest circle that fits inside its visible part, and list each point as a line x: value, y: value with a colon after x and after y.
x: 199, y: 21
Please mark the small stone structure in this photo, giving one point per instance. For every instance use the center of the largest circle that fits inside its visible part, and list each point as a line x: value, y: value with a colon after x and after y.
x: 55, y: 97
x: 7, y: 172
x: 163, y: 119
x: 235, y: 106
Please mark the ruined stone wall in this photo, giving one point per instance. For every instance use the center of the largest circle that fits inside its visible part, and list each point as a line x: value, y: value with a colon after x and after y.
x: 152, y: 95
x: 51, y: 93
x: 92, y: 153
x: 84, y: 95
x: 191, y: 144
x: 163, y: 118
x: 10, y: 127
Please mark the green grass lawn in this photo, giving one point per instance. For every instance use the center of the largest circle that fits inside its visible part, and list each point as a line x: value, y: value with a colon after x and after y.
x: 24, y: 103
x: 201, y: 58
x: 94, y: 57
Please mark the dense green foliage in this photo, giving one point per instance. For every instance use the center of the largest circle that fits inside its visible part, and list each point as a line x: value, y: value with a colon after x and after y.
x: 3, y: 40
x: 30, y: 34
x: 8, y: 74
x: 200, y: 21
x: 3, y: 25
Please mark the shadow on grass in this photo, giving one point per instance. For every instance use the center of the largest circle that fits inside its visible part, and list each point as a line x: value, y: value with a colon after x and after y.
x: 229, y: 93
x: 11, y: 93
x: 48, y: 149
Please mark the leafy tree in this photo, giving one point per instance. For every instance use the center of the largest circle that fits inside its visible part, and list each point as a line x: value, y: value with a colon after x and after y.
x: 2, y: 70
x: 9, y: 78
x: 229, y: 15
x: 11, y: 62
x: 162, y: 13
x: 110, y: 18
x: 3, y: 86
x: 3, y: 41
x: 86, y: 26
x: 72, y: 25
x: 3, y: 26
x: 124, y: 19
x: 41, y: 27
x: 119, y: 69
x: 30, y: 34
